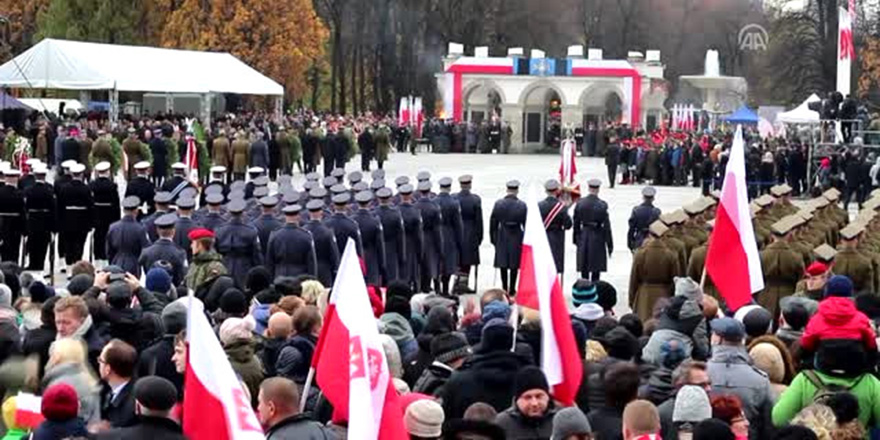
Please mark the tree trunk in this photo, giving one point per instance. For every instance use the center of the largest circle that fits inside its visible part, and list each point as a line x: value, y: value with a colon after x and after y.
x: 343, y: 98
x: 362, y: 86
x: 316, y: 82
x: 355, y: 107
x: 334, y: 71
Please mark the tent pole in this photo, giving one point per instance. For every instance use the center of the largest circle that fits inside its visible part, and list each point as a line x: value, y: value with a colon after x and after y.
x: 114, y: 107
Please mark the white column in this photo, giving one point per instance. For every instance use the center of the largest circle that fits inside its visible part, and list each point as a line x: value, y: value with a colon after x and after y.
x: 169, y: 103
x: 84, y: 97
x: 206, y: 99
x: 279, y: 107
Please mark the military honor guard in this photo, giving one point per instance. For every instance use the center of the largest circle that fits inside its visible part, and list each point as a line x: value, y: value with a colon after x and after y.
x: 393, y: 236
x: 372, y: 238
x: 107, y: 210
x: 450, y: 211
x: 75, y: 215
x: 40, y: 204
x: 326, y: 249
x: 433, y: 242
x: 554, y: 212
x: 592, y: 233
x: 165, y: 250
x: 471, y: 207
x: 290, y: 251
x: 127, y: 238
x: 641, y: 219
x: 506, y: 228
x: 12, y: 217
x: 410, y: 272
x: 238, y: 243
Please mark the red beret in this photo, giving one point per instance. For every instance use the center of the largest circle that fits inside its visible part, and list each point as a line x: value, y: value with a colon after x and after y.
x: 816, y: 268
x: 199, y: 233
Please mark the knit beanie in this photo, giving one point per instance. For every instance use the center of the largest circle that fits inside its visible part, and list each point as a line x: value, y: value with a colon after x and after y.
x: 233, y: 302
x: 448, y: 347
x: 59, y: 402
x: 569, y: 422
x: 424, y: 418
x: 258, y: 279
x: 688, y: 288
x: 174, y: 317
x: 235, y: 329
x: 757, y: 320
x: 620, y: 343
x: 79, y: 284
x: 39, y: 292
x: 839, y: 285
x: 769, y: 360
x: 713, y: 429
x: 529, y: 378
x: 607, y: 295
x: 497, y: 334
x: 691, y: 405
x: 158, y: 280
x: 155, y: 393
x: 496, y: 309
x: 583, y: 292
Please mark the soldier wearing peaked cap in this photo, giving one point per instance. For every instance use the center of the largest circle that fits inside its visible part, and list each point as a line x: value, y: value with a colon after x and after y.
x: 372, y: 237
x: 75, y: 216
x: 267, y: 222
x: 184, y: 224
x: 554, y: 212
x: 344, y: 227
x: 652, y: 273
x: 472, y: 228
x: 141, y: 187
x: 433, y: 245
x: 165, y: 250
x: 592, y: 234
x: 41, y: 205
x: 213, y: 218
x: 238, y: 243
x: 394, y: 239
x: 127, y: 238
x: 641, y: 218
x: 326, y: 249
x: 12, y: 217
x: 290, y: 251
x: 106, y: 197
x: 506, y: 228
x: 452, y: 233
x: 782, y: 266
x: 162, y: 201
x: 410, y: 270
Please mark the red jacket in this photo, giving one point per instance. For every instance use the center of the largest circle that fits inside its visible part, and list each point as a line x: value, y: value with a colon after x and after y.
x: 838, y: 318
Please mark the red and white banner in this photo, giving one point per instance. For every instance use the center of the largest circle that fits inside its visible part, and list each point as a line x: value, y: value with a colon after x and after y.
x: 539, y: 288
x: 846, y: 52
x: 403, y: 112
x: 28, y: 410
x: 351, y: 368
x: 474, y: 65
x: 416, y: 116
x: 732, y: 260
x: 632, y: 83
x: 192, y: 158
x: 214, y: 404
x: 568, y: 165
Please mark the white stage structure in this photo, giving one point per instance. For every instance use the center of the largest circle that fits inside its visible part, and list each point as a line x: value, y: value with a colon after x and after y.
x: 84, y: 66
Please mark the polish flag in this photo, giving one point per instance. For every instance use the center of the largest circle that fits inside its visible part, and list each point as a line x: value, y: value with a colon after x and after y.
x: 732, y: 260
x: 192, y: 158
x: 568, y: 165
x: 403, y: 112
x: 539, y: 288
x: 28, y: 410
x: 351, y: 369
x: 214, y: 404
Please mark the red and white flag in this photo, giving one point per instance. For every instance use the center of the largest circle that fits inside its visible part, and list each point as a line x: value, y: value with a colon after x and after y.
x: 351, y: 369
x: 214, y: 404
x: 539, y: 288
x: 732, y: 260
x: 568, y: 165
x: 403, y: 112
x: 28, y: 410
x: 192, y: 158
x: 846, y: 52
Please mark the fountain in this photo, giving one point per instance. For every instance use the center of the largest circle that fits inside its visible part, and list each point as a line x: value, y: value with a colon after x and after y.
x: 720, y: 94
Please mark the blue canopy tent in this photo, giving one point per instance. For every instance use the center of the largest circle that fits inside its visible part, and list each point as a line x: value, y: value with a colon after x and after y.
x: 8, y: 102
x: 742, y: 116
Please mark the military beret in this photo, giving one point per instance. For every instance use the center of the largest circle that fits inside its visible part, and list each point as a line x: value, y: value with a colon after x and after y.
x: 851, y: 231
x: 376, y: 184
x: 178, y: 166
x: 551, y: 185
x: 594, y: 183
x: 315, y: 205
x: 363, y: 197
x: 466, y: 179
x: 219, y: 169
x: 261, y: 181
x: 261, y: 191
x: 329, y: 181
x: 423, y: 175
x: 291, y: 198
x: 360, y: 186
x: 425, y: 185
x: 825, y: 253
x: 142, y: 165
x: 405, y: 189
x: 355, y: 177
x: 131, y: 202
x: 313, y: 176
x: 513, y: 184
x: 318, y: 193
x: 401, y: 180
x: 237, y: 194
x: 102, y: 166
x: 214, y: 199
x: 378, y: 174
x: 338, y: 189
x: 383, y: 193
x: 256, y: 170
x: 236, y: 206
x: 337, y: 173
x: 199, y: 233
x: 187, y: 203
x: 343, y: 198
x: 166, y: 221
x: 445, y: 182
x: 162, y: 198
x: 649, y: 191
x: 292, y: 209
x: 657, y: 228
x: 237, y: 185
x: 781, y: 227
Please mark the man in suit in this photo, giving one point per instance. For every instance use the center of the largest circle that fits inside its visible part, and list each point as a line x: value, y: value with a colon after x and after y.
x: 471, y: 207
x: 554, y: 212
x: 506, y: 228
x: 116, y: 367
x: 592, y: 233
x: 164, y: 249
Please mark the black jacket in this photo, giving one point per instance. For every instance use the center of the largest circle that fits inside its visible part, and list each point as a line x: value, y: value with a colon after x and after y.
x: 147, y: 428
x: 119, y: 411
x: 156, y: 361
x: 487, y: 377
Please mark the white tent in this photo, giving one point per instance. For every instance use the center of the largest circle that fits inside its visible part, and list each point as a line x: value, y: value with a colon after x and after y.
x: 51, y: 104
x: 76, y: 65
x: 801, y: 114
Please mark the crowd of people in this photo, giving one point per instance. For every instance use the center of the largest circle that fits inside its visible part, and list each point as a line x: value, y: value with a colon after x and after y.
x: 106, y: 349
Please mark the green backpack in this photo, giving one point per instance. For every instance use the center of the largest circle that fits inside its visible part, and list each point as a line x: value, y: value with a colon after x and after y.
x: 824, y: 391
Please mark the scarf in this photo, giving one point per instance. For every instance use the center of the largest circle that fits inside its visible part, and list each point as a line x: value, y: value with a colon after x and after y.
x: 80, y: 331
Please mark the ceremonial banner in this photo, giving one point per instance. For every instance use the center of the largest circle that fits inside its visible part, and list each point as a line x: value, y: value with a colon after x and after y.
x: 846, y: 52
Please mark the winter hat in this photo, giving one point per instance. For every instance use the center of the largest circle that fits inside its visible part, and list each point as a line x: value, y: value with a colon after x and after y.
x: 795, y: 432
x: 174, y: 317
x: 424, y: 418
x: 607, y: 295
x: 234, y: 329
x: 568, y: 422
x: 797, y: 310
x: 257, y: 280
x: 5, y: 296
x: 39, y: 292
x: 769, y: 360
x: 155, y: 393
x: 158, y: 280
x: 392, y: 356
x: 583, y: 292
x: 79, y: 284
x: 397, y: 327
x: 529, y: 378
x: 620, y: 343
x: 59, y: 403
x: 691, y: 405
x: 119, y: 295
x: 688, y: 288
x: 497, y: 334
x: 496, y: 309
x: 233, y: 302
x: 756, y: 320
x: 448, y: 347
x: 729, y: 329
x: 713, y: 429
x: 588, y: 312
x: 839, y: 285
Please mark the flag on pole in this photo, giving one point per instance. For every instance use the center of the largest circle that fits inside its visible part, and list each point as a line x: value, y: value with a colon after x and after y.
x: 192, y: 158
x: 732, y: 259
x: 417, y: 116
x: 539, y: 288
x: 351, y: 369
x: 403, y: 112
x: 214, y: 403
x: 846, y: 52
x: 675, y: 117
x: 568, y: 165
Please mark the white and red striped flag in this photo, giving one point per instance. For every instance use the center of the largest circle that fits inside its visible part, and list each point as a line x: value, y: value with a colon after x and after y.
x: 539, y: 288
x: 28, y: 410
x: 214, y: 404
x: 403, y: 112
x: 351, y: 369
x: 192, y: 158
x: 732, y: 260
x: 568, y: 165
